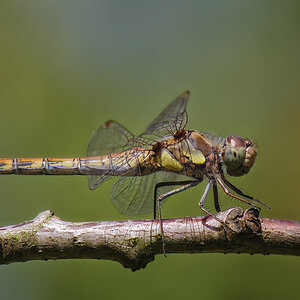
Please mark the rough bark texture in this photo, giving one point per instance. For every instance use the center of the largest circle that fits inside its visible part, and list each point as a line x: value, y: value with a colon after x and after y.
x: 135, y: 243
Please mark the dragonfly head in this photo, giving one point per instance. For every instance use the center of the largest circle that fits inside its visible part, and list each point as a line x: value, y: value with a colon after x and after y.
x: 238, y: 155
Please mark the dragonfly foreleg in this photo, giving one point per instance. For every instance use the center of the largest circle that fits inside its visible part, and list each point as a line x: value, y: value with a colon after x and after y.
x: 157, y: 202
x: 227, y: 192
x: 239, y: 192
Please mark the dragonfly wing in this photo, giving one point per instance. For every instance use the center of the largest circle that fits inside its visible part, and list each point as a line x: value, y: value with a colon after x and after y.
x: 172, y: 119
x: 135, y: 195
x: 95, y: 180
x: 111, y: 137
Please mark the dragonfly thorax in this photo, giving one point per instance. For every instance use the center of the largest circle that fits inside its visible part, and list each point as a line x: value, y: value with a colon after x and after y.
x: 189, y: 153
x: 238, y: 155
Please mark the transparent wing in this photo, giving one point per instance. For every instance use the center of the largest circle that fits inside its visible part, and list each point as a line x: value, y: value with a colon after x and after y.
x: 172, y: 119
x: 135, y: 195
x: 111, y: 137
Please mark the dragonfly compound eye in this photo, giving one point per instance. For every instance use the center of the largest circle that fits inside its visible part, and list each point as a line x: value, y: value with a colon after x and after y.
x: 239, y: 155
x: 235, y: 152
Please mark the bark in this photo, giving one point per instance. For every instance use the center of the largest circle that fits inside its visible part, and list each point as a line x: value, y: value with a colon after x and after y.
x: 135, y: 243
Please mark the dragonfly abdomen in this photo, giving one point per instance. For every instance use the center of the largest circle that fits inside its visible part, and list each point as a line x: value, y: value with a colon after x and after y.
x: 127, y: 163
x: 132, y: 162
x: 40, y: 166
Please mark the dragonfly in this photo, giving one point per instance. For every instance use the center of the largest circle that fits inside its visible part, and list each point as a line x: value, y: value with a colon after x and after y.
x: 164, y: 160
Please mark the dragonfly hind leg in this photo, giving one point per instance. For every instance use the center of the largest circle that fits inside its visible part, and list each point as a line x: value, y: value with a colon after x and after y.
x: 157, y: 201
x: 184, y: 186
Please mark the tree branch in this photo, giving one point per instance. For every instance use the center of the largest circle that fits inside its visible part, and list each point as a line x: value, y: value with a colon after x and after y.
x: 135, y: 243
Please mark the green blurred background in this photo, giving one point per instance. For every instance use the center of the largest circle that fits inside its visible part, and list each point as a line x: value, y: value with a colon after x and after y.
x: 68, y: 66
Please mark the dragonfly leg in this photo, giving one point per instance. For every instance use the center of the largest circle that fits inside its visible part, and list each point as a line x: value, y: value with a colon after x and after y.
x: 216, y: 198
x: 157, y: 201
x: 203, y: 197
x: 171, y: 183
x: 226, y: 191
x: 238, y: 191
